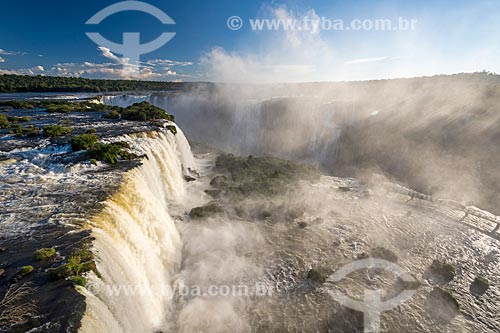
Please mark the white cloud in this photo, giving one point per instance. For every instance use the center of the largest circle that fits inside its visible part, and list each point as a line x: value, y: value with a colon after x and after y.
x: 283, y: 56
x: 170, y: 63
x: 11, y: 53
x: 155, y: 69
x: 37, y: 70
x: 365, y: 60
x: 110, y: 55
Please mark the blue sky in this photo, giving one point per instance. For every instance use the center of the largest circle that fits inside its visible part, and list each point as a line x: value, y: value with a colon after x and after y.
x: 48, y: 38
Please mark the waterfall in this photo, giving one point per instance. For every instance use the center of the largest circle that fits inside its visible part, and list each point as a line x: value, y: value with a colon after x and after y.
x: 301, y: 129
x: 123, y: 100
x: 137, y: 245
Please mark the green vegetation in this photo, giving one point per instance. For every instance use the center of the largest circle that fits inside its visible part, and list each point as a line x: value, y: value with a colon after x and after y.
x: 16, y: 128
x: 25, y: 270
x: 59, y: 106
x: 144, y: 111
x: 110, y: 152
x: 56, y: 130
x: 4, y: 121
x: 83, y: 141
x: 66, y: 107
x: 25, y: 83
x: 79, y: 281
x: 172, y: 129
x: 23, y: 119
x: 79, y: 263
x: 113, y: 114
x: 44, y: 254
x: 18, y: 104
x: 98, y: 151
x: 262, y: 175
x: 207, y: 210
x: 30, y: 130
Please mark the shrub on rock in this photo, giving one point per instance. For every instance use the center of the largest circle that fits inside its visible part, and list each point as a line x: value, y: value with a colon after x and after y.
x: 113, y: 114
x: 144, y: 111
x: 83, y: 141
x: 25, y: 270
x: 316, y: 276
x: 44, y: 254
x: 56, y: 130
x: 4, y: 122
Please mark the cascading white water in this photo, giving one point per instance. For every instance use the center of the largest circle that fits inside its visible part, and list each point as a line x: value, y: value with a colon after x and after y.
x: 123, y: 100
x: 304, y: 129
x: 137, y: 245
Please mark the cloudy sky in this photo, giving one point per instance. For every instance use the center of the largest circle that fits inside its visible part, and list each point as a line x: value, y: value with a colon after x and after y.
x: 447, y: 36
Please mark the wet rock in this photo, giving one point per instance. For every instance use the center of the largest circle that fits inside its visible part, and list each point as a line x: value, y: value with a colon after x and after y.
x: 219, y: 181
x: 293, y: 214
x: 265, y: 214
x: 441, y: 305
x: 383, y: 253
x: 189, y: 178
x: 194, y: 172
x: 491, y: 257
x: 316, y: 276
x: 362, y: 255
x: 2, y: 249
x: 213, y: 193
x: 2, y: 273
x: 440, y: 272
x: 207, y: 210
x: 479, y: 286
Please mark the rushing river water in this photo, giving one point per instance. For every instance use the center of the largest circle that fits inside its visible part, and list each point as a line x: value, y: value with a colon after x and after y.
x: 262, y: 263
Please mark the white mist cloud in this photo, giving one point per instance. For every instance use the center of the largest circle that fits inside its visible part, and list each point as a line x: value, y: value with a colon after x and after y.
x: 37, y: 70
x: 286, y: 55
x: 365, y: 60
x: 11, y: 53
x: 110, y: 55
x: 325, y: 55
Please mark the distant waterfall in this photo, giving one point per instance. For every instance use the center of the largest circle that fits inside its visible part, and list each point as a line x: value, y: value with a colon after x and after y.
x: 302, y: 129
x: 124, y: 100
x: 137, y: 245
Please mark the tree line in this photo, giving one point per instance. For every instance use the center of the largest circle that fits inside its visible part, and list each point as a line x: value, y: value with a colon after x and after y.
x: 25, y: 83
